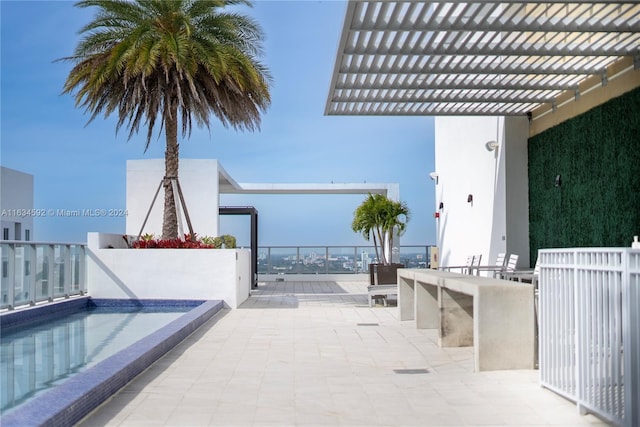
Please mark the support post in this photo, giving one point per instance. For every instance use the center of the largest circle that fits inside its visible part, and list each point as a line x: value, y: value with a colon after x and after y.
x: 177, y: 194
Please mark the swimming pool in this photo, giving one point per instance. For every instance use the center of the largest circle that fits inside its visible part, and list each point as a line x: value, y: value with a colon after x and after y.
x: 58, y: 370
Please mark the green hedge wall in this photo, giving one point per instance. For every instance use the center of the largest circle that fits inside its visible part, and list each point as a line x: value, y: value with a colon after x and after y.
x: 597, y: 155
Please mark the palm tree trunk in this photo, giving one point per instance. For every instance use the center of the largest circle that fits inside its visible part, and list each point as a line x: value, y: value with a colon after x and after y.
x: 170, y: 217
x: 381, y: 239
x: 375, y: 245
x: 388, y: 247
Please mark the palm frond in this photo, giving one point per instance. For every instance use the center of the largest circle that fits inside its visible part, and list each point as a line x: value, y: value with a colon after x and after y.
x: 136, y: 57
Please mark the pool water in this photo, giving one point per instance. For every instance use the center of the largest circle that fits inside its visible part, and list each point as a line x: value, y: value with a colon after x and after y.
x: 41, y: 356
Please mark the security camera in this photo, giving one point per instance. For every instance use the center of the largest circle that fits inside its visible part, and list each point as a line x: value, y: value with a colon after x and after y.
x: 491, y: 145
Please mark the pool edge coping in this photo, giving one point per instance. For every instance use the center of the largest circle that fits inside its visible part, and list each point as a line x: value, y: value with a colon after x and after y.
x: 75, y: 398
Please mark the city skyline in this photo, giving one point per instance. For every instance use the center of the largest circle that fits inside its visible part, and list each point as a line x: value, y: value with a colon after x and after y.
x: 331, y: 260
x: 79, y: 167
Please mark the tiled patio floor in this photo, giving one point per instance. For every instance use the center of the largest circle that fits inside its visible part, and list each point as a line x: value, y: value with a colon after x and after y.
x: 315, y: 354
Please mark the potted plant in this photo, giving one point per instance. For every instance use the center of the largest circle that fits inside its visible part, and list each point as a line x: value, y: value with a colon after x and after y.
x: 380, y: 217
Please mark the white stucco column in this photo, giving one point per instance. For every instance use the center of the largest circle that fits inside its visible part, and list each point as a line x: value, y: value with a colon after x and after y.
x: 483, y: 189
x: 199, y: 180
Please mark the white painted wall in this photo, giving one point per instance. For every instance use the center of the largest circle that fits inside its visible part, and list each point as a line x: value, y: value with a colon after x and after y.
x: 497, y: 219
x: 210, y: 274
x: 199, y: 182
x: 517, y: 188
x: 16, y: 193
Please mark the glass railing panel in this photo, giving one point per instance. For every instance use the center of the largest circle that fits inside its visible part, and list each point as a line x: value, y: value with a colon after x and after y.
x: 332, y: 259
x: 264, y: 257
x: 283, y: 260
x: 58, y: 271
x: 341, y: 260
x: 21, y: 285
x: 32, y: 272
x: 366, y: 256
x: 414, y: 256
x: 76, y: 257
x: 42, y: 272
x: 4, y: 279
x: 313, y: 260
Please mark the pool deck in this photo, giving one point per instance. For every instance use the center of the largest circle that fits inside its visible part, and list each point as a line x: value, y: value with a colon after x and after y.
x: 315, y: 354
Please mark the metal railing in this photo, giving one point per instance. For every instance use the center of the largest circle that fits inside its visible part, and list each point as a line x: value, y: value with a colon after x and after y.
x: 332, y: 259
x: 33, y: 272
x: 590, y: 329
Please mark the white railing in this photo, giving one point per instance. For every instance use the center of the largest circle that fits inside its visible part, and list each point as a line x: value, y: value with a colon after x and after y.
x: 590, y: 329
x: 33, y: 272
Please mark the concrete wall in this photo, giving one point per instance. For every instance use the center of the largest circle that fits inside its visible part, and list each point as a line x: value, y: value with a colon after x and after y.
x: 497, y: 218
x: 16, y: 194
x: 199, y: 182
x: 222, y: 274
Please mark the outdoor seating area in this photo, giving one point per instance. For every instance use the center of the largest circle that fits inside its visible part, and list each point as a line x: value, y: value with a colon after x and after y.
x: 503, y: 267
x: 469, y: 311
x: 526, y: 275
x: 498, y: 267
x: 468, y: 268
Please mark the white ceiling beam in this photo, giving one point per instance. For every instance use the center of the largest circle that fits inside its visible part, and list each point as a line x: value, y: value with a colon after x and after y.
x: 481, y: 68
x: 533, y: 85
x: 632, y: 47
x: 452, y: 97
x: 560, y: 26
x: 474, y: 57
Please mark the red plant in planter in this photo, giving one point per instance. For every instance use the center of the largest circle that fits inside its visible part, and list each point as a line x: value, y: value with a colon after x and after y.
x: 189, y: 242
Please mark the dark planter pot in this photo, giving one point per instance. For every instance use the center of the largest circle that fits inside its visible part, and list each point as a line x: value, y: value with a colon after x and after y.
x: 380, y: 274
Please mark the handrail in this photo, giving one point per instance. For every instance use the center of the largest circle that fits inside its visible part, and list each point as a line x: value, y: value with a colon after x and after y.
x: 336, y: 259
x: 42, y: 242
x: 33, y: 272
x: 590, y: 329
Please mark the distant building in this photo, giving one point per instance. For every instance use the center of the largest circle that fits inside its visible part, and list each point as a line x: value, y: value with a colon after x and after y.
x: 16, y: 204
x: 365, y: 260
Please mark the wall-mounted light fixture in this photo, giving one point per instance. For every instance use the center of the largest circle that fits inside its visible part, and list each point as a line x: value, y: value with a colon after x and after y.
x: 434, y: 176
x: 558, y: 181
x: 491, y: 145
x: 470, y: 198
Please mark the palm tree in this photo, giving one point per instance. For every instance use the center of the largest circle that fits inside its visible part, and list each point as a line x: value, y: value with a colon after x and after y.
x: 395, y: 222
x: 170, y: 60
x: 379, y: 216
x: 365, y: 221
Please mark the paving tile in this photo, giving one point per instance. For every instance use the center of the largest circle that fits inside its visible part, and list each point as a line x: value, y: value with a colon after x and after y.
x: 315, y: 354
x: 189, y: 418
x: 234, y: 416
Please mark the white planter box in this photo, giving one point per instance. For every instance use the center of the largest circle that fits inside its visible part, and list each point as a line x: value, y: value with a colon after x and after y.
x: 210, y: 274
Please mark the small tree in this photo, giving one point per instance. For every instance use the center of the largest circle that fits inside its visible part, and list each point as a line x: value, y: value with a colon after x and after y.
x: 379, y: 216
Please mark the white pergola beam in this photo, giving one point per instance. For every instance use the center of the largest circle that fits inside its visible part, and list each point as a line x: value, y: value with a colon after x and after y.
x: 509, y: 48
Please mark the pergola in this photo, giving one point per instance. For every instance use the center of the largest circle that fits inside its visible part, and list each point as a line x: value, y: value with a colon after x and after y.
x: 483, y: 57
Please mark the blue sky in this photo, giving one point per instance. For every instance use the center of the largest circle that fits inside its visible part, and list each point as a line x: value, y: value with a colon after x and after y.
x: 83, y: 167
